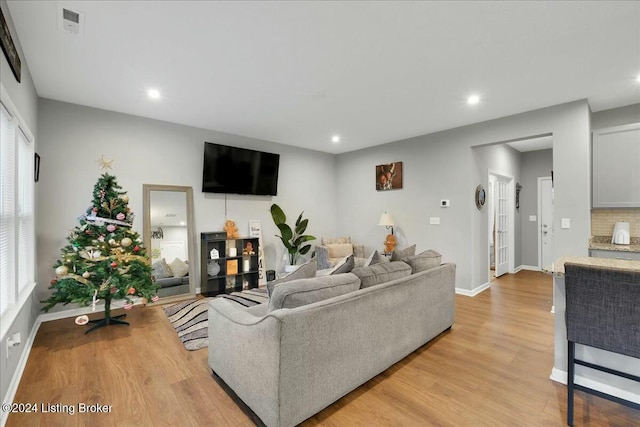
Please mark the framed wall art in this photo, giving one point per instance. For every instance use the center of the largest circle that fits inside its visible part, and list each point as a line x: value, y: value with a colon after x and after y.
x: 389, y: 176
x: 9, y: 48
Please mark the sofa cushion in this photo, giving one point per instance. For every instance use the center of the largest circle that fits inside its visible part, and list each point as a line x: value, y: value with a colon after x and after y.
x: 161, y: 270
x: 340, y: 250
x: 423, y: 261
x: 382, y: 272
x: 307, y: 291
x: 402, y: 253
x: 179, y: 267
x: 345, y: 266
x: 306, y: 270
x: 322, y: 257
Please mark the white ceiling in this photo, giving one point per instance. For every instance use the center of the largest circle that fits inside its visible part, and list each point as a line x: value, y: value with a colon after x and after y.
x: 299, y: 72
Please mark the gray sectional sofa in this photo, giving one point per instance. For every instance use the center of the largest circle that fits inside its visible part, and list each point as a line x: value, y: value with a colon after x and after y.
x: 320, y: 338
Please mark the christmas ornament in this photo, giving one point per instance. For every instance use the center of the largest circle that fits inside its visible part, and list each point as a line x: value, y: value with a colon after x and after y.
x: 131, y: 291
x: 120, y: 216
x: 104, y: 163
x: 126, y: 242
x: 111, y: 228
x: 94, y: 209
x: 82, y: 320
x: 112, y: 242
x: 62, y: 271
x: 113, y: 289
x: 101, y: 238
x: 114, y: 264
x: 53, y: 281
x: 124, y: 198
x: 136, y: 248
x: 86, y: 274
x: 87, y: 231
x: 128, y: 306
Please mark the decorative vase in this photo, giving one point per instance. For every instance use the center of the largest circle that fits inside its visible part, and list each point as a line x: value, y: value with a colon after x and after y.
x: 290, y: 268
x: 213, y: 268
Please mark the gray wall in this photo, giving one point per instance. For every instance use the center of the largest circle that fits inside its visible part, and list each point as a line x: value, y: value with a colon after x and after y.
x: 535, y: 164
x: 442, y: 166
x: 146, y: 151
x: 25, y: 98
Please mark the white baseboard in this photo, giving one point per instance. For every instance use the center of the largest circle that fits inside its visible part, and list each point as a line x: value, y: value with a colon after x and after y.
x: 560, y: 376
x: 17, y: 375
x: 530, y: 267
x: 73, y: 312
x: 473, y: 292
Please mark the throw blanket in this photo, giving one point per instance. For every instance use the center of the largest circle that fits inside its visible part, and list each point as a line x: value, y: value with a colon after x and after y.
x: 190, y: 318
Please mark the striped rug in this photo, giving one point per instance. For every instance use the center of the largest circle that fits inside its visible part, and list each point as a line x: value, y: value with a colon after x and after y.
x: 190, y: 318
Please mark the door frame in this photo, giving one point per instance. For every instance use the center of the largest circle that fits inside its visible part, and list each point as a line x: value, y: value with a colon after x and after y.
x: 539, y: 222
x: 510, y: 221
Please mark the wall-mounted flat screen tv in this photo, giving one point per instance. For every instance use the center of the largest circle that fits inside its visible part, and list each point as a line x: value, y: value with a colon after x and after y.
x: 234, y: 170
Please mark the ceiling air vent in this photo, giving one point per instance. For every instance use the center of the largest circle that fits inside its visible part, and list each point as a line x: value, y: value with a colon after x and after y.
x: 70, y: 21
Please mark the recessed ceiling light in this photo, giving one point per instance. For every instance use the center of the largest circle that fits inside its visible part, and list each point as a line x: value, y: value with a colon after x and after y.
x: 153, y: 93
x: 473, y: 99
x: 335, y: 138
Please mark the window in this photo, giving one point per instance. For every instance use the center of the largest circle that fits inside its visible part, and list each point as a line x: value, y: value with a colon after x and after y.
x: 17, y: 235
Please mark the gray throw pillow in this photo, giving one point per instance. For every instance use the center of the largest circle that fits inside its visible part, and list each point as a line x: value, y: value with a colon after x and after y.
x: 376, y: 258
x: 322, y: 257
x: 305, y: 271
x: 403, y: 253
x: 382, y: 273
x: 423, y: 261
x: 161, y: 270
x: 307, y: 291
x: 345, y: 267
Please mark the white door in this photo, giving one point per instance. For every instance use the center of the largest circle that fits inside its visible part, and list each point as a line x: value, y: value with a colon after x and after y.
x: 501, y: 244
x: 172, y: 250
x: 545, y: 203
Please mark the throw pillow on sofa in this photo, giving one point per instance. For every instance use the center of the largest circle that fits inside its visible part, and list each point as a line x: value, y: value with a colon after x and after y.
x: 423, y: 261
x: 179, y: 267
x: 305, y: 271
x: 161, y: 270
x: 344, y: 266
x: 402, y: 253
x: 376, y: 258
x: 301, y: 292
x: 382, y: 273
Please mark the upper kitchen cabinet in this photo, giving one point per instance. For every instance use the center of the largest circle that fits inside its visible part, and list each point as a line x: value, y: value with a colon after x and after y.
x: 616, y: 167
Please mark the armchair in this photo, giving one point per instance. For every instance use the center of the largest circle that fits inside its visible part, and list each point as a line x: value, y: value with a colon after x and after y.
x: 332, y: 250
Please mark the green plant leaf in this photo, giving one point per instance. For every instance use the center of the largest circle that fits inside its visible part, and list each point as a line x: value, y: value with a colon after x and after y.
x: 299, y: 219
x: 303, y: 250
x: 301, y: 226
x: 278, y: 214
x: 301, y: 239
x: 285, y: 232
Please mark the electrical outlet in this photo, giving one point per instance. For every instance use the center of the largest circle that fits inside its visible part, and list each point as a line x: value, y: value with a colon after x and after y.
x: 13, y: 341
x: 566, y: 223
x: 533, y: 218
x: 434, y: 220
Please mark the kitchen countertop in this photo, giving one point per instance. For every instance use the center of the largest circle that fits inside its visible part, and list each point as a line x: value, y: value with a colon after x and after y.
x: 612, y: 247
x: 557, y: 268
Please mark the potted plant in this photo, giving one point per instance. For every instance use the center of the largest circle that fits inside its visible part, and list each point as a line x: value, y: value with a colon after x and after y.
x: 294, y: 240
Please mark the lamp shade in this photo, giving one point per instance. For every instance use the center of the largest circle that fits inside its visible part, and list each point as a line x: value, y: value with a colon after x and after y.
x: 386, y: 220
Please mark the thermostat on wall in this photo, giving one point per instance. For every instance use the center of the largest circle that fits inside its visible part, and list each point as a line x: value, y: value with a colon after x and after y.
x: 445, y: 203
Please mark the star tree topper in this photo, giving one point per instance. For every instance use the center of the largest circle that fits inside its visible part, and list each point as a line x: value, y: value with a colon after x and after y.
x: 104, y: 163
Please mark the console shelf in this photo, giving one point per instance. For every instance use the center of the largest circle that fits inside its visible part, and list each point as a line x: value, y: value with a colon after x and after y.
x: 237, y: 271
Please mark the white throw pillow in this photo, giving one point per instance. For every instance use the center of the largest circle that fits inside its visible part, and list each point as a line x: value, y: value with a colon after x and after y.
x: 179, y: 267
x: 340, y: 250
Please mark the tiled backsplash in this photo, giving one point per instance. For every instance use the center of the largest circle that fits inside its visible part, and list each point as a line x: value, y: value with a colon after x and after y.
x: 603, y: 221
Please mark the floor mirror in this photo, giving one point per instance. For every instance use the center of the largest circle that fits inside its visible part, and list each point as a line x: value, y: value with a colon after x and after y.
x: 169, y: 239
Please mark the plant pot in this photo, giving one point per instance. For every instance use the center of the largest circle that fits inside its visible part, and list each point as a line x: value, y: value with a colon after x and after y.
x: 290, y: 268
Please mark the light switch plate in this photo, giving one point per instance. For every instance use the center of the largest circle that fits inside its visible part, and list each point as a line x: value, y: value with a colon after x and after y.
x: 434, y: 220
x: 532, y: 218
x: 566, y: 223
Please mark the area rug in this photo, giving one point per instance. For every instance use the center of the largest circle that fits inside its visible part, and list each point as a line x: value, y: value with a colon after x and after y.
x: 190, y: 318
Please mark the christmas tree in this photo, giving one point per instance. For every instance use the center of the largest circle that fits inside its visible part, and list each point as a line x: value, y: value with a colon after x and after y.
x: 105, y: 258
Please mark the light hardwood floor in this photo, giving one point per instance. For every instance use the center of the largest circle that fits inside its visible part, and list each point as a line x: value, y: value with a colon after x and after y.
x: 491, y: 369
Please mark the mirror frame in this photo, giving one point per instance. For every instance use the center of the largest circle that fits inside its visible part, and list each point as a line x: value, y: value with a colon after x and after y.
x: 191, y: 243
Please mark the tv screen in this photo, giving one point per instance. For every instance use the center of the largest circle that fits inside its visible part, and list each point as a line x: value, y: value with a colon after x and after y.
x: 234, y: 170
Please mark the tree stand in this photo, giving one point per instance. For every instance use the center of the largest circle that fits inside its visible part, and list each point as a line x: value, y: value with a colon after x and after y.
x: 108, y: 320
